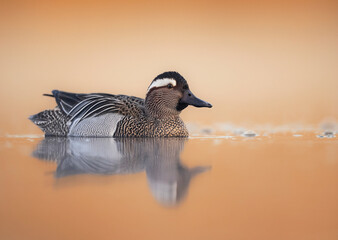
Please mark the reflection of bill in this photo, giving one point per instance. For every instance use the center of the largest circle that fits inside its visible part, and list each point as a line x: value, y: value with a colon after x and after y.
x: 168, y: 178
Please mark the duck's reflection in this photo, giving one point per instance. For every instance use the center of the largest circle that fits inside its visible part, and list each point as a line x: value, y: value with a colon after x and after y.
x: 168, y: 178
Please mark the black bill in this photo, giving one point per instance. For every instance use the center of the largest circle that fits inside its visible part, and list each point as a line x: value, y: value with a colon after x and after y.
x: 190, y: 99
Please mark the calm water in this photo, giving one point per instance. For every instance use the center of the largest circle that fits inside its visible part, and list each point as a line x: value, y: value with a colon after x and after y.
x: 279, y: 186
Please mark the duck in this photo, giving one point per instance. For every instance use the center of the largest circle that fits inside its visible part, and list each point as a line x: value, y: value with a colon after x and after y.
x: 108, y: 115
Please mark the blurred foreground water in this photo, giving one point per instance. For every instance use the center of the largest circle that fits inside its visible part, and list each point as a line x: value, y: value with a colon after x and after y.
x: 245, y: 185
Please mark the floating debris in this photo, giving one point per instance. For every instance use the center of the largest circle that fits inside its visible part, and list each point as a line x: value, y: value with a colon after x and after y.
x: 329, y: 134
x: 249, y: 133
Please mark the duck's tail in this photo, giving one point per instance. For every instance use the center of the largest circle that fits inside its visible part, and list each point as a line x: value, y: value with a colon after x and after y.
x: 51, y: 122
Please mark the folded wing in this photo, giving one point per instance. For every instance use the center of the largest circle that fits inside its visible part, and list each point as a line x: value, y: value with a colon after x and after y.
x: 81, y: 106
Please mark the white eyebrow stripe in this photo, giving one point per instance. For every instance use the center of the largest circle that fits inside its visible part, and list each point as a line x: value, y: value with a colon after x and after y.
x: 162, y: 82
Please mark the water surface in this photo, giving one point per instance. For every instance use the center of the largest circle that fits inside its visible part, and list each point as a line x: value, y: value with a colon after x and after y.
x: 279, y: 186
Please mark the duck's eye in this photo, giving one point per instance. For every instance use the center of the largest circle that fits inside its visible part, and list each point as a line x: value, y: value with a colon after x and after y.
x: 170, y: 85
x: 185, y: 87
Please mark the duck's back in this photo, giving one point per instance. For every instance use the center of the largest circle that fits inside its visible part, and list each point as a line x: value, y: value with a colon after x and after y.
x: 88, y: 115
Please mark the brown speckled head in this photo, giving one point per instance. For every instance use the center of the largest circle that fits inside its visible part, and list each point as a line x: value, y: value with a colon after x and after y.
x: 168, y: 94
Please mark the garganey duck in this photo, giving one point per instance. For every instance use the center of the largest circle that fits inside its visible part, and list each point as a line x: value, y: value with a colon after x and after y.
x: 107, y: 115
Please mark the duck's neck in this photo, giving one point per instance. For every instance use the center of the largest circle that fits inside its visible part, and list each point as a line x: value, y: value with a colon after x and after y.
x: 156, y: 109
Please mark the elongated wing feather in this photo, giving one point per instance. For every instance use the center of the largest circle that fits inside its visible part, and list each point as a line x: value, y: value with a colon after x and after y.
x: 81, y: 106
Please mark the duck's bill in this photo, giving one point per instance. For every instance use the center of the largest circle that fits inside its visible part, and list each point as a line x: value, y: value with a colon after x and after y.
x: 190, y: 99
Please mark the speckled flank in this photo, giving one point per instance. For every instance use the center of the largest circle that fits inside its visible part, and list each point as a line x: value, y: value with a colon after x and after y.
x: 103, y: 125
x: 143, y: 127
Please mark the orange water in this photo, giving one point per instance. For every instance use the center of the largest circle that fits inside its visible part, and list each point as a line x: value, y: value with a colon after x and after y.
x: 278, y: 186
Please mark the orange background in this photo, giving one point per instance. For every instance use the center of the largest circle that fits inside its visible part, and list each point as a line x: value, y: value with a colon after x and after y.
x: 255, y: 61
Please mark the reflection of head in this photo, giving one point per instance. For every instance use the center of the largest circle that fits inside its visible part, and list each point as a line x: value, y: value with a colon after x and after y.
x: 168, y: 179
x: 165, y: 193
x: 170, y: 191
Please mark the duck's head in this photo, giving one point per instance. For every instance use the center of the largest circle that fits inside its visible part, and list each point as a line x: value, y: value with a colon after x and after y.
x: 169, y: 94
